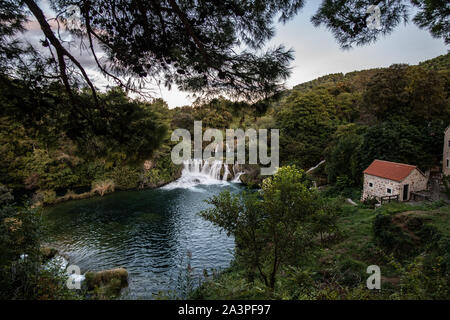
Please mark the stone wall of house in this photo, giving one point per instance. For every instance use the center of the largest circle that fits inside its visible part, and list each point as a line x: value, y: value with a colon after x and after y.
x: 379, y: 187
x: 416, y: 182
x: 446, y: 153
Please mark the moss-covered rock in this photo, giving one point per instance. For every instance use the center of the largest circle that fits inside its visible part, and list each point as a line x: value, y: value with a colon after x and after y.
x: 162, y: 171
x: 48, y: 253
x: 106, y: 284
x: 251, y: 176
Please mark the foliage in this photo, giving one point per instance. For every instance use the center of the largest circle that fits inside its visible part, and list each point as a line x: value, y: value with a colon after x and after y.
x: 391, y: 237
x: 106, y: 284
x: 409, y: 92
x: 337, y: 269
x: 162, y: 172
x: 340, y: 155
x: 58, y: 152
x: 347, y: 20
x: 103, y: 187
x: 306, y: 122
x: 275, y: 228
x: 22, y: 275
x: 412, y: 145
x: 121, y: 125
x: 125, y: 177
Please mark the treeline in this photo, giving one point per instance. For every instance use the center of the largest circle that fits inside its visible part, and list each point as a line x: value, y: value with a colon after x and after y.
x: 397, y: 114
x: 51, y: 148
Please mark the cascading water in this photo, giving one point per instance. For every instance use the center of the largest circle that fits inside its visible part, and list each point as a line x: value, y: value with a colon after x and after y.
x: 210, y: 171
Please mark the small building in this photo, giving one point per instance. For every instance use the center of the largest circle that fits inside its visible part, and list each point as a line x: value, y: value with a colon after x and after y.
x: 392, y: 180
x: 446, y: 153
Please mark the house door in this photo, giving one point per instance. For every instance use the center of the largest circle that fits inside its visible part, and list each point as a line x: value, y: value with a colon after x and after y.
x: 405, y: 192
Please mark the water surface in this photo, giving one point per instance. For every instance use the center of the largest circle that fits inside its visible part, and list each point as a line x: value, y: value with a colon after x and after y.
x: 147, y: 232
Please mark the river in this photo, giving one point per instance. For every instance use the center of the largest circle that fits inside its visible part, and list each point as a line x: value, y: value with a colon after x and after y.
x: 149, y: 232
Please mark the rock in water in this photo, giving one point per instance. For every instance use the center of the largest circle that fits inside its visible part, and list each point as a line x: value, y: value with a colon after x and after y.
x: 107, y: 284
x: 48, y: 253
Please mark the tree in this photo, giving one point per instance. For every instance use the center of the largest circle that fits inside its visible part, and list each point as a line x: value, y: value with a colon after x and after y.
x: 132, y: 127
x: 398, y: 141
x: 275, y: 228
x: 347, y: 20
x: 191, y: 44
x: 410, y: 92
x: 340, y: 154
x: 306, y: 123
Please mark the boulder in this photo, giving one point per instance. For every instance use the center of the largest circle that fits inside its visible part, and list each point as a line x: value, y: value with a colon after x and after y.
x: 48, y: 253
x: 106, y: 284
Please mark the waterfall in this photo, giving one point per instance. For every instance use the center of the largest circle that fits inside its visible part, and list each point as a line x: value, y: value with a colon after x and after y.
x: 237, y: 177
x: 210, y: 171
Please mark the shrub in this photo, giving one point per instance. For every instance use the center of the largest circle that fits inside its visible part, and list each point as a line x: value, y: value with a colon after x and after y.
x: 391, y: 237
x: 125, y: 177
x: 103, y: 187
x: 21, y: 274
x: 370, y: 202
x: 48, y: 196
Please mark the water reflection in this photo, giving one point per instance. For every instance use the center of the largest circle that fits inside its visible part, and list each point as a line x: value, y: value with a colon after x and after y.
x: 147, y: 232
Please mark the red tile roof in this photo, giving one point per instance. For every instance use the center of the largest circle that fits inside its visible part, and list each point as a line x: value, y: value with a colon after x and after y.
x: 390, y: 170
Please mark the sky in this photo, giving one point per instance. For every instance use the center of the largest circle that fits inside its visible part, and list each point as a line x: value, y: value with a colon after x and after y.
x: 316, y: 51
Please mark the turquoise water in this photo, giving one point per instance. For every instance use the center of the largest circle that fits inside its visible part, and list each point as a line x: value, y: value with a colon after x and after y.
x: 150, y: 233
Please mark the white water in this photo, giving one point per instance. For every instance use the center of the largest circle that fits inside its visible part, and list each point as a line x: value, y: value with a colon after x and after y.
x: 211, y: 171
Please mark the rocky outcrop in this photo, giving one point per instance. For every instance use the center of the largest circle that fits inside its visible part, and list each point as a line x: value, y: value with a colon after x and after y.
x: 48, y: 253
x: 251, y: 176
x: 106, y: 284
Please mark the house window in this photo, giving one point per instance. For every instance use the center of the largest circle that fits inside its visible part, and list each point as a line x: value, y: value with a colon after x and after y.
x: 448, y: 163
x: 370, y: 184
x: 389, y: 191
x: 449, y: 143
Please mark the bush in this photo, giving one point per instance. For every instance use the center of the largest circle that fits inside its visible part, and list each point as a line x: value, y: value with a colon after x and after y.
x: 369, y: 202
x: 391, y: 237
x: 45, y: 196
x: 125, y: 177
x: 103, y: 187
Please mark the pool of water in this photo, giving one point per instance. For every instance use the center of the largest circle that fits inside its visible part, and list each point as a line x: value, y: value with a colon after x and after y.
x: 149, y: 232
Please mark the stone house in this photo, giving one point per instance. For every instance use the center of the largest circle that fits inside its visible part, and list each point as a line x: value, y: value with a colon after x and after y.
x: 385, y: 178
x: 446, y: 153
